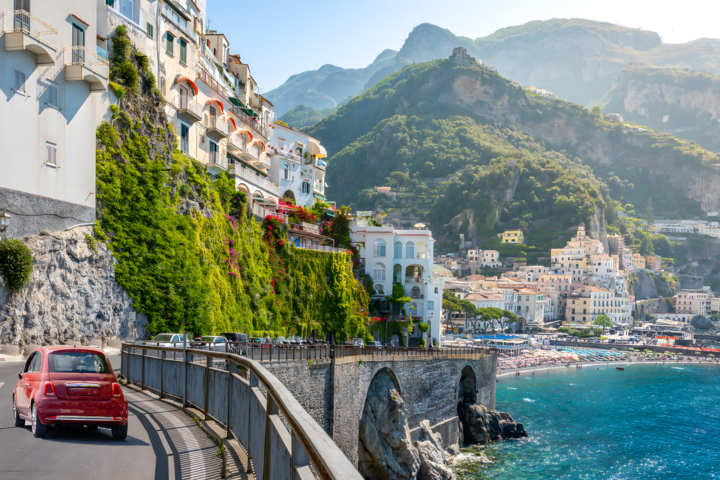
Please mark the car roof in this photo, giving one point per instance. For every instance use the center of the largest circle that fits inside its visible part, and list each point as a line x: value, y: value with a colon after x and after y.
x: 75, y: 348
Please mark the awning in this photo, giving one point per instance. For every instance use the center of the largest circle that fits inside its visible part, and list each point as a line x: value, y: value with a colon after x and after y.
x: 316, y: 149
x: 247, y: 134
x: 319, y: 197
x: 260, y: 142
x: 220, y: 104
x: 237, y: 102
x: 232, y: 120
x: 249, y: 112
x: 189, y: 82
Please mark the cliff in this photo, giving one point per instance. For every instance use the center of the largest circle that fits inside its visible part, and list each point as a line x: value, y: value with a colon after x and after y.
x: 646, y: 285
x: 682, y: 102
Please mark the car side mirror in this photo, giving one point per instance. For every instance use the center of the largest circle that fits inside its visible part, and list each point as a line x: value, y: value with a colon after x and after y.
x: 20, y: 374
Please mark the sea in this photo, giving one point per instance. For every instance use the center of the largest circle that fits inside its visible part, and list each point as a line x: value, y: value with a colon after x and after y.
x: 646, y: 422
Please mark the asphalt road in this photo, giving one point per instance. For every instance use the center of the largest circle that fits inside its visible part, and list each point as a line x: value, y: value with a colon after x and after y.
x: 163, y: 442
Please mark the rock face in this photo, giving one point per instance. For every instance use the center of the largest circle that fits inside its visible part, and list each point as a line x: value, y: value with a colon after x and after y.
x: 433, y: 457
x: 385, y: 451
x: 481, y: 425
x: 701, y: 322
x: 72, y: 295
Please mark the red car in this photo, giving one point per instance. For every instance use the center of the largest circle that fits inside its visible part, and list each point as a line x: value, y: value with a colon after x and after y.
x: 70, y: 386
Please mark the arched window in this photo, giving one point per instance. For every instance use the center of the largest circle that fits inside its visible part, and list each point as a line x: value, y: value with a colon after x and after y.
x: 431, y: 305
x: 415, y: 292
x: 409, y: 250
x: 379, y: 272
x: 421, y: 250
x: 436, y: 289
x: 413, y: 309
x: 397, y: 250
x: 380, y: 248
x: 379, y: 289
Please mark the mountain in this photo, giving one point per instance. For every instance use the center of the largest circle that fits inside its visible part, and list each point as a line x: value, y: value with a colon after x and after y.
x: 576, y: 59
x: 682, y: 102
x: 303, y: 116
x: 476, y: 147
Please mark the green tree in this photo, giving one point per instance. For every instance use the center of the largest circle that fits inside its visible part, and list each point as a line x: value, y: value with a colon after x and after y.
x: 507, y: 319
x: 604, y: 321
x: 597, y: 109
x: 649, y: 213
x: 646, y: 247
x: 400, y: 178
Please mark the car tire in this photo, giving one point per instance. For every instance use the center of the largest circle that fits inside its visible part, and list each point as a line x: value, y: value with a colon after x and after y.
x: 19, y: 422
x: 120, y: 432
x: 38, y: 429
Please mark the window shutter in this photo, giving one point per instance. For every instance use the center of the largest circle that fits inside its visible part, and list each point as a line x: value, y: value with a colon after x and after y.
x: 19, y: 81
x: 53, y: 97
x: 150, y: 30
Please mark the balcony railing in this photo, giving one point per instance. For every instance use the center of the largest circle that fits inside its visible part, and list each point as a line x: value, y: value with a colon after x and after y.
x: 217, y: 125
x: 253, y: 177
x: 305, y: 227
x: 322, y: 248
x: 414, y: 280
x: 25, y: 22
x: 186, y: 104
x: 90, y: 60
x: 216, y: 159
x: 248, y: 120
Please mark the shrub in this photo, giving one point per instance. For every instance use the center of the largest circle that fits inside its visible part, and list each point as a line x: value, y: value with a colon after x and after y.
x: 424, y: 327
x: 15, y: 264
x: 117, y: 90
x: 421, y: 343
x: 91, y: 243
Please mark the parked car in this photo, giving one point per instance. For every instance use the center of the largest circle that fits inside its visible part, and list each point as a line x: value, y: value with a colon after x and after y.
x: 166, y: 340
x: 69, y: 385
x: 375, y: 344
x: 236, y: 337
x: 213, y: 343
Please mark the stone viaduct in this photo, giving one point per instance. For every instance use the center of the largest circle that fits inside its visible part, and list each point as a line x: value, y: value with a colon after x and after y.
x: 333, y: 390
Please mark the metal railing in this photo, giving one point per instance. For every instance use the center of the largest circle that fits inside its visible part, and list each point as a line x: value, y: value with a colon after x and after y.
x: 253, y: 177
x: 215, y: 123
x: 184, y: 102
x: 305, y: 227
x: 414, y: 280
x: 236, y: 401
x: 88, y: 59
x: 217, y: 159
x: 27, y: 23
x: 248, y: 120
x: 321, y: 248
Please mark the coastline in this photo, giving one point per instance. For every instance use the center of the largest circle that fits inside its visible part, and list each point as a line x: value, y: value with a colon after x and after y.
x: 512, y: 373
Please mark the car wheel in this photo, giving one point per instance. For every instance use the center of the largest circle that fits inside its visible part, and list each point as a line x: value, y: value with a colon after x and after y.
x: 38, y: 429
x: 19, y: 422
x: 120, y: 433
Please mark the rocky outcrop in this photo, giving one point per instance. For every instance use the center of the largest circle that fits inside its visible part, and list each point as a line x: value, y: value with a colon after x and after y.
x: 645, y: 285
x: 702, y: 323
x: 385, y: 451
x: 72, y: 296
x: 433, y: 458
x: 481, y: 425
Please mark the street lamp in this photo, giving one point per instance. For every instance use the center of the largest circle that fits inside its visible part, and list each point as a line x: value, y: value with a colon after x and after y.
x: 4, y: 221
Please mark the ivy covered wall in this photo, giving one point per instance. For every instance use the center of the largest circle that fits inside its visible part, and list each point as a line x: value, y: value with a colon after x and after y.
x: 187, y: 251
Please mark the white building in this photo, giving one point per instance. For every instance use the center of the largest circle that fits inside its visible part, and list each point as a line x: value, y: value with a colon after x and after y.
x: 402, y: 257
x: 297, y: 165
x: 53, y: 86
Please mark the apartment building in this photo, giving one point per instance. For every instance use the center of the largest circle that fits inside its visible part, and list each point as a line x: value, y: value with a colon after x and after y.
x: 511, y: 236
x: 491, y: 258
x: 479, y: 282
x: 532, y: 272
x: 695, y: 302
x: 638, y: 261
x: 297, y: 165
x: 530, y: 306
x: 559, y: 284
x: 402, y: 257
x: 52, y: 88
x: 585, y: 304
x: 653, y: 262
x: 483, y: 299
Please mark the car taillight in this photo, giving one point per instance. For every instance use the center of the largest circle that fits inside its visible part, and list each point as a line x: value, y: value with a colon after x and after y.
x: 117, y: 418
x: 49, y: 389
x: 51, y: 417
x: 116, y: 392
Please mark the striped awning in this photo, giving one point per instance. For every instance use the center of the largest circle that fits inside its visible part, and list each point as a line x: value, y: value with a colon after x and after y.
x: 189, y: 82
x: 232, y: 120
x: 314, y: 148
x: 218, y: 102
x: 247, y: 133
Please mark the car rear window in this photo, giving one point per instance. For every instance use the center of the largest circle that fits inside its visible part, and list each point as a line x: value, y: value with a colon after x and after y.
x: 78, y: 362
x: 163, y: 337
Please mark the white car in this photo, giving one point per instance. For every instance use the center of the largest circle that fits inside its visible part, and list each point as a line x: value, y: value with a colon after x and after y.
x: 207, y: 342
x: 166, y: 340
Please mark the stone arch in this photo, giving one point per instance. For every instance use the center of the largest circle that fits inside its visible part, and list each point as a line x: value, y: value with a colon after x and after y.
x: 289, y: 195
x: 467, y: 381
x: 243, y: 188
x: 522, y: 321
x: 378, y: 370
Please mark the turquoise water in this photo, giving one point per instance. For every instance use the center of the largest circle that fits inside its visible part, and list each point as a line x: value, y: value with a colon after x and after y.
x: 646, y: 422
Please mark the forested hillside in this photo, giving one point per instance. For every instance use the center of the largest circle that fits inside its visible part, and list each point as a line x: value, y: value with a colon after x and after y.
x: 468, y: 139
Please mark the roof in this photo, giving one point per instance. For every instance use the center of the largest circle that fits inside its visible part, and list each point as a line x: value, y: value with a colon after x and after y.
x: 79, y: 19
x: 79, y: 348
x: 470, y: 278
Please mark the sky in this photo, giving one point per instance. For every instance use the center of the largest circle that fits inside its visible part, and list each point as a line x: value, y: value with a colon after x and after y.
x: 281, y: 38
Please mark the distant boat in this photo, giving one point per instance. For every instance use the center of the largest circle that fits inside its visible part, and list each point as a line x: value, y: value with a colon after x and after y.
x: 620, y: 368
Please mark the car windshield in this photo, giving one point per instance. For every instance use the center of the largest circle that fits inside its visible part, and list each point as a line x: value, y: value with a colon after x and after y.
x: 163, y: 337
x: 78, y: 362
x: 208, y: 338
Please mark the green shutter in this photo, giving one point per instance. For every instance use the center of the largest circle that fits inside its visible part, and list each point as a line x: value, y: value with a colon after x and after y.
x: 150, y: 30
x: 183, y: 51
x: 170, y: 46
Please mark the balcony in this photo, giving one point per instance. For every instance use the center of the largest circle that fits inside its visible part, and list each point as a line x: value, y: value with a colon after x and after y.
x: 24, y: 31
x: 189, y: 109
x: 83, y: 65
x: 217, y: 126
x: 254, y: 178
x: 305, y: 227
x: 217, y: 163
x: 414, y: 280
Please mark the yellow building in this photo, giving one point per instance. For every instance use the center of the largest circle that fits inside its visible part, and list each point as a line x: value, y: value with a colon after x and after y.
x: 511, y: 236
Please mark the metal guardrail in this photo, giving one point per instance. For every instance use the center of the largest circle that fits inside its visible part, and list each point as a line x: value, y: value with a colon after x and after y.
x: 237, y: 402
x: 23, y: 21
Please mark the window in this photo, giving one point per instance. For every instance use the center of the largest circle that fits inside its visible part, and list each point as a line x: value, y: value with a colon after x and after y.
x: 51, y: 154
x: 37, y: 363
x: 20, y: 81
x: 527, y: 298
x: 78, y: 362
x: 150, y: 32
x: 431, y: 305
x: 183, y: 51
x: 28, y: 365
x: 184, y: 138
x: 110, y: 2
x: 53, y: 96
x: 305, y: 187
x: 379, y: 289
x: 379, y: 272
x: 409, y: 250
x: 436, y: 289
x: 379, y: 247
x: 213, y: 153
x: 169, y: 43
x: 397, y: 250
x: 286, y: 172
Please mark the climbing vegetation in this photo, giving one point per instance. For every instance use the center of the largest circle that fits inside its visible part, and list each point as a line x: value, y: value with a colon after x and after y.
x: 15, y: 264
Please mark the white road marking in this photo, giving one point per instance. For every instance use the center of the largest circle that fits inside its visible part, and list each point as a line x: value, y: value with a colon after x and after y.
x: 1, y: 384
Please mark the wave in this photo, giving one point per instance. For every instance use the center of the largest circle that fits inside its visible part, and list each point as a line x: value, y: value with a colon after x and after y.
x: 678, y: 368
x: 528, y: 400
x: 511, y: 388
